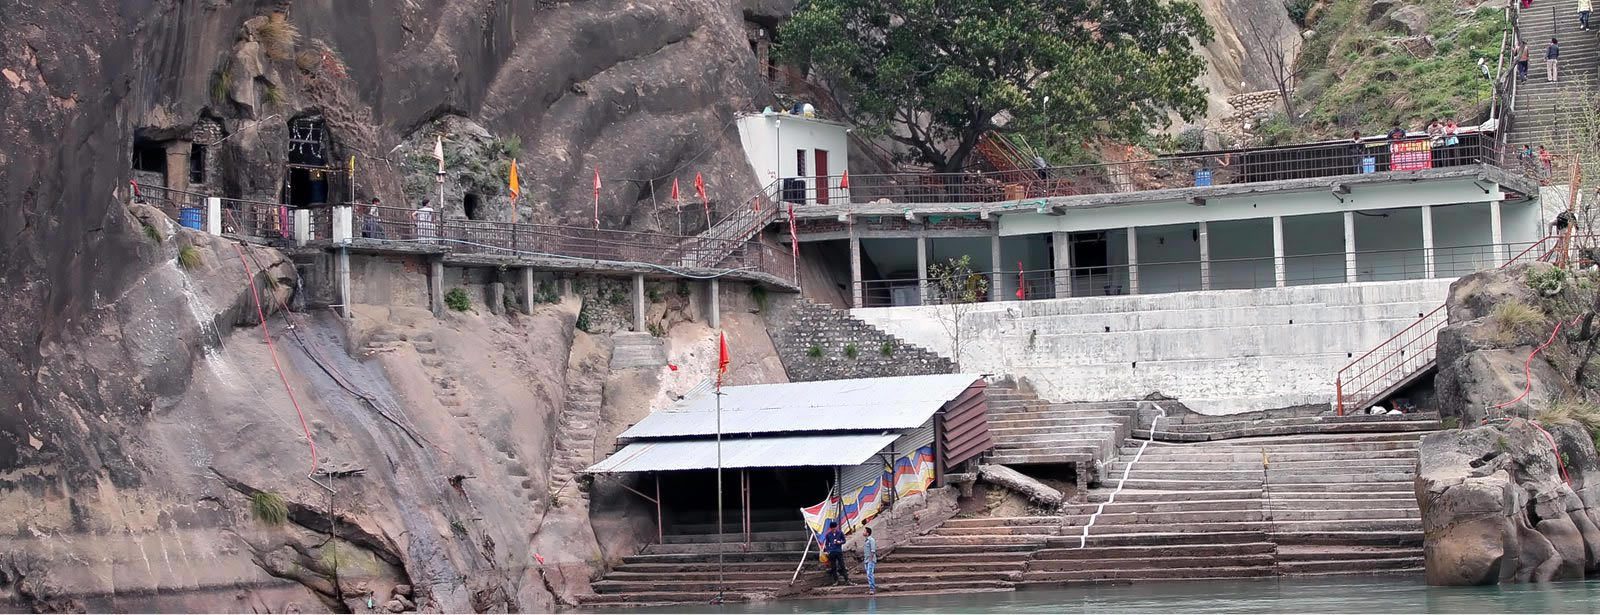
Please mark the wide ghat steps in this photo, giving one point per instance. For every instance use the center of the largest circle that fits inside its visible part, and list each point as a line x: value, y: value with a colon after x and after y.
x: 1552, y: 114
x: 683, y: 568
x: 1029, y: 430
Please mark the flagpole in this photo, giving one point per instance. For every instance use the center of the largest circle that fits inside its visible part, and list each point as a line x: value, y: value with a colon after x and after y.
x: 721, y: 539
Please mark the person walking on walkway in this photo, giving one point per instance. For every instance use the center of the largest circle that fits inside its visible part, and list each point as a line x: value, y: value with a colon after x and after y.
x: 869, y: 561
x: 422, y: 220
x: 1552, y: 55
x: 833, y: 543
x: 1522, y: 61
x: 1584, y: 7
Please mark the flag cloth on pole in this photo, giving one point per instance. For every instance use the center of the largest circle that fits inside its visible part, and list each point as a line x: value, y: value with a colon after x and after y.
x: 515, y: 184
x: 676, y: 202
x: 597, y: 197
x: 844, y: 181
x: 1020, y: 283
x: 352, y: 163
x: 700, y: 189
x: 722, y: 358
x: 794, y: 240
x: 438, y: 154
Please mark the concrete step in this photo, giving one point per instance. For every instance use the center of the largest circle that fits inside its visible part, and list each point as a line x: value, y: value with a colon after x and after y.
x: 1352, y: 566
x: 1000, y: 522
x: 704, y: 566
x: 915, y: 587
x: 1132, y: 494
x: 1225, y: 560
x: 1406, y: 537
x: 729, y: 525
x: 741, y: 557
x: 987, y: 540
x: 1076, y: 455
x: 1274, y: 430
x: 1169, y: 537
x: 922, y: 545
x: 1174, y: 465
x: 1032, y: 421
x: 1135, y: 482
x: 1152, y: 551
x: 711, y: 548
x: 1185, y: 517
x: 608, y: 586
x: 1145, y: 574
x: 1166, y: 506
x: 738, y: 538
x: 1305, y: 553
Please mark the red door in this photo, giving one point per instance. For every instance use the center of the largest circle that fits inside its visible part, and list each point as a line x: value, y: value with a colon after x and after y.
x: 822, y: 177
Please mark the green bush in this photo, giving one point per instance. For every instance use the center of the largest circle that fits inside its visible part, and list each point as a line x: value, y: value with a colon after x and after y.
x: 1571, y: 409
x: 221, y: 82
x: 278, y: 38
x: 850, y: 350
x: 887, y: 349
x: 1298, y: 10
x: 814, y: 351
x: 189, y: 257
x: 657, y: 330
x: 457, y: 300
x: 269, y: 508
x: 758, y: 293
x: 1546, y: 281
x: 1513, y: 318
x: 583, y: 318
x: 151, y: 232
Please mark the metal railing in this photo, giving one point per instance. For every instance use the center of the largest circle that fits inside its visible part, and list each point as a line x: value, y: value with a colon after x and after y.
x: 1147, y: 278
x: 1360, y: 382
x: 182, y: 206
x: 1330, y: 159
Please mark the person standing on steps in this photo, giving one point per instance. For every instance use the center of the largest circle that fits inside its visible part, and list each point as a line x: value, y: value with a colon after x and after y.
x: 1552, y: 55
x: 1584, y: 7
x: 833, y: 543
x: 1522, y: 61
x: 869, y: 561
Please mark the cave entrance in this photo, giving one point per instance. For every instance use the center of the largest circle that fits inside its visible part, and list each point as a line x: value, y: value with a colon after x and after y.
x: 307, y: 179
x: 470, y: 205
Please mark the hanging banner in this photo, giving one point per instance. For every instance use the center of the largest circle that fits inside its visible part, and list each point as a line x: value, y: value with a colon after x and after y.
x: 913, y: 473
x: 1411, y: 155
x: 861, y: 505
x: 818, y: 516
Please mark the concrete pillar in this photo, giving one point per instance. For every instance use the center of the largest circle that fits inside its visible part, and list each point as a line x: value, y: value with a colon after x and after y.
x: 1496, y: 236
x: 527, y: 290
x: 1204, y: 233
x: 1350, y: 274
x: 302, y: 227
x: 714, y: 304
x: 436, y: 285
x: 342, y: 272
x: 994, y: 264
x: 855, y: 268
x: 1061, y: 245
x: 638, y: 302
x: 1428, y: 265
x: 922, y: 269
x: 343, y: 223
x: 1280, y: 268
x: 178, y: 165
x: 214, y: 215
x: 1133, y: 260
x: 497, y: 297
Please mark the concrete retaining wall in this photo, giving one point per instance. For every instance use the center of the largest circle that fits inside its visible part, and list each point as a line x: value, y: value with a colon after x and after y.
x: 1220, y: 352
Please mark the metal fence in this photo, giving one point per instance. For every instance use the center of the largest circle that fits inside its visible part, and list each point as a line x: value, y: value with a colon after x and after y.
x: 1214, y: 274
x: 1220, y: 168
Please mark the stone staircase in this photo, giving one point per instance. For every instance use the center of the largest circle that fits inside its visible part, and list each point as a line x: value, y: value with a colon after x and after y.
x: 579, y: 422
x: 1250, y: 507
x: 819, y: 342
x: 1029, y: 430
x: 683, y: 568
x: 962, y: 555
x: 708, y: 249
x: 1550, y: 114
x: 1201, y: 428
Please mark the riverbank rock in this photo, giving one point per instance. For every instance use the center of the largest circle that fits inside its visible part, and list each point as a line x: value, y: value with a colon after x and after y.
x: 1483, y: 357
x: 1510, y: 502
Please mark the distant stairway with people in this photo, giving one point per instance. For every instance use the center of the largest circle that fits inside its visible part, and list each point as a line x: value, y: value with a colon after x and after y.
x: 1553, y: 114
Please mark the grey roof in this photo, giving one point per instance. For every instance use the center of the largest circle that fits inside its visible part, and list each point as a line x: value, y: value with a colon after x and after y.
x: 860, y: 404
x: 760, y: 452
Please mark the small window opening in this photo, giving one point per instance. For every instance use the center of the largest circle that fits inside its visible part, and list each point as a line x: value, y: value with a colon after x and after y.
x: 150, y: 156
x: 197, y: 164
x: 469, y: 204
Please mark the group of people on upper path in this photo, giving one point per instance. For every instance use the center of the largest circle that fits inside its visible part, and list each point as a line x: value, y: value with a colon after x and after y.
x: 1552, y: 53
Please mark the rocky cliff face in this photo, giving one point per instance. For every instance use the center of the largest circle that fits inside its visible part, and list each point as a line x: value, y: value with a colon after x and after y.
x: 1514, y: 495
x: 150, y: 454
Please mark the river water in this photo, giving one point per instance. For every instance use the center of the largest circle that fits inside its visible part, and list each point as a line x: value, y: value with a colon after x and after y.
x: 1357, y: 594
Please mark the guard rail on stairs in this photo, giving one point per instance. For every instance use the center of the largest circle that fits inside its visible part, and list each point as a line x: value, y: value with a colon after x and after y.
x: 1376, y: 373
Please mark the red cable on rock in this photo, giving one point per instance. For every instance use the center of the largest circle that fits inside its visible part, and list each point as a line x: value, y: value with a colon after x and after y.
x: 267, y: 335
x: 1527, y: 368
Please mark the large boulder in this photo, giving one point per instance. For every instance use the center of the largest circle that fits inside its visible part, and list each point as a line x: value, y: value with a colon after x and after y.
x: 1508, y: 502
x: 1486, y: 363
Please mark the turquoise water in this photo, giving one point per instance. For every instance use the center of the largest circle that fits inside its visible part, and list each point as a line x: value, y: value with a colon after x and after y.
x: 1358, y: 594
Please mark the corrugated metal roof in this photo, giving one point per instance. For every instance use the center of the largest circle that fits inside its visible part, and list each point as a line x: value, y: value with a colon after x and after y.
x: 901, y: 402
x: 768, y: 452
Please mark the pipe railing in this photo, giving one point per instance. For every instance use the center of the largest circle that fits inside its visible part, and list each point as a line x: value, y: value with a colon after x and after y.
x: 1331, y: 159
x: 1161, y: 277
x: 1359, y: 383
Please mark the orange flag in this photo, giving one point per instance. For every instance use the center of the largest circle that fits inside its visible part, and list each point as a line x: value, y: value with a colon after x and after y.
x: 722, y: 357
x: 844, y: 181
x: 1021, y: 282
x: 597, y: 197
x: 515, y: 183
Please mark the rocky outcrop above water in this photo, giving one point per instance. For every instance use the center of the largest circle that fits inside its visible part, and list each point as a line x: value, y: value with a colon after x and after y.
x: 1511, y: 502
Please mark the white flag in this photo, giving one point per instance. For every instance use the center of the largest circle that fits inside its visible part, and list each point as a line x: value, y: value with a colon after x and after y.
x: 438, y: 152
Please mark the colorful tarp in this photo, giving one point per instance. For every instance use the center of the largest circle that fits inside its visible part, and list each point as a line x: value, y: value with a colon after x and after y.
x: 911, y: 474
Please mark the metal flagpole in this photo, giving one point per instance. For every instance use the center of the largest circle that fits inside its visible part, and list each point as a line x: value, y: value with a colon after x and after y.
x: 721, y: 583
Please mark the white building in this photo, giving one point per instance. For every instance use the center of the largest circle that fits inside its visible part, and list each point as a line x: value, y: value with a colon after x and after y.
x: 812, y: 155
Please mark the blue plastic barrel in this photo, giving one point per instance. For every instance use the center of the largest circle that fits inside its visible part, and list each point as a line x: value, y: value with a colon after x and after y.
x: 192, y: 217
x: 1369, y: 164
x: 1202, y: 177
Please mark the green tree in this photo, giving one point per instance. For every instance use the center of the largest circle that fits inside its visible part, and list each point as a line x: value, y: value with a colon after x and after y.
x: 937, y: 75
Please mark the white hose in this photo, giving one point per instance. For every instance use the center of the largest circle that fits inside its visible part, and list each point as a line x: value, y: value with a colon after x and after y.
x: 1161, y: 414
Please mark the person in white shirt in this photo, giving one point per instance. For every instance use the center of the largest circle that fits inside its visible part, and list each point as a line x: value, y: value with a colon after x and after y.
x: 422, y: 218
x: 869, y: 560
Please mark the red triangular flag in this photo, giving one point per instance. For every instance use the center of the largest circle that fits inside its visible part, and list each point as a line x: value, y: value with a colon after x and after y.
x: 674, y: 188
x: 1021, y: 284
x: 722, y: 357
x: 844, y: 181
x: 700, y: 186
x: 672, y: 367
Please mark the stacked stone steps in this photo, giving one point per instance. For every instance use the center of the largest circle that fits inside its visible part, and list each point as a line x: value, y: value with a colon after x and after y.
x: 1028, y: 430
x: 578, y: 425
x: 1160, y: 556
x: 633, y: 349
x: 961, y: 555
x: 1227, y: 430
x: 1550, y: 113
x: 809, y: 325
x: 683, y: 569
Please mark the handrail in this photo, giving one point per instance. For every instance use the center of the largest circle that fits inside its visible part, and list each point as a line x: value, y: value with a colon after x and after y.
x: 1418, y: 339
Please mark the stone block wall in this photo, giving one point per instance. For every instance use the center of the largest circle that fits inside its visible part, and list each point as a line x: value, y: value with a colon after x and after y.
x: 814, y: 343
